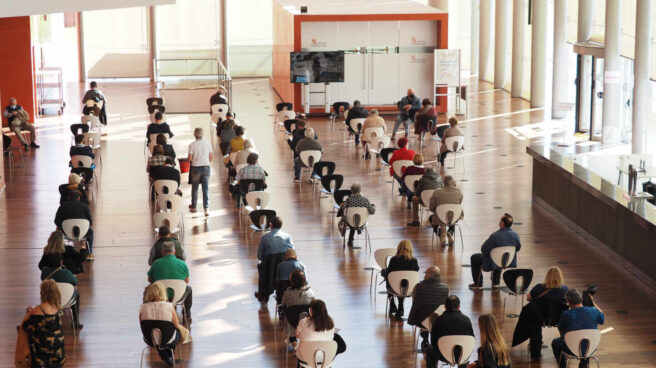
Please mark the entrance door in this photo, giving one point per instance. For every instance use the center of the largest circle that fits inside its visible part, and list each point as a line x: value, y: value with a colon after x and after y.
x: 589, y: 95
x: 597, y: 98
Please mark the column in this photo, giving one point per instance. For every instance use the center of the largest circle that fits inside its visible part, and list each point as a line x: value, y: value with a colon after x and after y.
x: 612, y: 102
x: 641, y: 83
x: 584, y: 31
x: 520, y: 21
x: 80, y: 47
x: 485, y: 37
x: 224, y: 33
x: 475, y: 18
x: 16, y: 65
x: 153, y: 50
x: 560, y: 59
x: 538, y: 52
x: 501, y: 33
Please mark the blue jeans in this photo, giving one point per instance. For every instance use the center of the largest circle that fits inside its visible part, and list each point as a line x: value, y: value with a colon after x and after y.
x: 402, y: 119
x: 199, y: 175
x: 90, y: 239
x: 297, y: 168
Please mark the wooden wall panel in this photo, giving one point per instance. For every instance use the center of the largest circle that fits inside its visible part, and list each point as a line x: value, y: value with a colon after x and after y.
x: 283, y: 23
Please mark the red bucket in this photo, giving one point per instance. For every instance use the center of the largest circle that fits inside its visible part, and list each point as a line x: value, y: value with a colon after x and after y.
x: 184, y: 165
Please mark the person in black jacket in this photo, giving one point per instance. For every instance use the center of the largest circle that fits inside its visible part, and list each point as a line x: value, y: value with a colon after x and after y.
x: 402, y: 261
x: 80, y: 149
x: 72, y: 259
x: 74, y: 209
x: 166, y: 172
x: 451, y: 322
x: 96, y: 95
x: 357, y: 112
x: 158, y: 127
x: 74, y: 184
x: 426, y: 297
x: 219, y: 98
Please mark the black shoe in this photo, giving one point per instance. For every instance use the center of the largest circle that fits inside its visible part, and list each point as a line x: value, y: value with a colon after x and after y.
x: 26, y: 147
x: 34, y: 145
x: 350, y: 243
x: 425, y: 346
x: 414, y: 223
x: 398, y: 317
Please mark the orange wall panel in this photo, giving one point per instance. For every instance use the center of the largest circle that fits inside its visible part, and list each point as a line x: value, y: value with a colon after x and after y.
x: 283, y: 23
x: 17, y: 64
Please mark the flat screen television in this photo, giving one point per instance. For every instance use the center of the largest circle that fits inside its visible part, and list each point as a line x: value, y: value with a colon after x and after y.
x: 317, y: 67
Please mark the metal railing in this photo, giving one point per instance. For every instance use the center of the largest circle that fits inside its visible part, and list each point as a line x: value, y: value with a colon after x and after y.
x: 192, y: 73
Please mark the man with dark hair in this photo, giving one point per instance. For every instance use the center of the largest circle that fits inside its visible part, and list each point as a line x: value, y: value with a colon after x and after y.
x: 74, y: 209
x: 251, y: 172
x: 80, y: 149
x: 166, y: 172
x: 451, y: 322
x: 164, y: 235
x: 271, y: 252
x: 309, y: 143
x: 408, y: 107
x: 505, y: 236
x: 158, y: 127
x: 356, y: 112
x: 577, y: 318
x: 426, y: 297
x: 97, y: 96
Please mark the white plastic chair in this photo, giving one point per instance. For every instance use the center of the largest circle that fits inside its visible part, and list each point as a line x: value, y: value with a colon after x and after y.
x: 92, y: 139
x: 308, y: 159
x: 158, y: 186
x: 455, y: 145
x: 502, y: 257
x: 82, y: 161
x: 374, y: 132
x: 317, y: 354
x: 67, y: 301
x: 281, y: 116
x: 398, y: 166
x: 410, y: 181
x: 257, y: 200
x: 381, y: 256
x: 219, y: 111
x: 426, y: 195
x: 377, y: 143
x: 169, y: 219
x: 355, y: 123
x: 447, y: 345
x: 179, y: 287
x: 356, y: 218
x: 395, y: 278
x: 166, y: 200
x: 76, y: 229
x: 426, y: 326
x: 442, y: 213
x: 574, y: 339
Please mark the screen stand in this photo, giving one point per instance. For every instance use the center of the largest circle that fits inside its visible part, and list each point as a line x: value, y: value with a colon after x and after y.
x: 326, y: 98
x: 306, y: 107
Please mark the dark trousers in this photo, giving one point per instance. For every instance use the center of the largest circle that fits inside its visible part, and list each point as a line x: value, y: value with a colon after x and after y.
x: 393, y: 308
x: 165, y: 351
x: 535, y: 337
x: 476, y: 265
x: 90, y: 239
x: 442, y: 156
x: 187, y: 301
x: 558, y: 346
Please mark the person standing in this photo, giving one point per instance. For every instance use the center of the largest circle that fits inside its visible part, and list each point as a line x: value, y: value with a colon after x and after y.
x: 480, y: 262
x: 200, y: 157
x: 94, y: 94
x: 408, y: 107
x: 18, y: 121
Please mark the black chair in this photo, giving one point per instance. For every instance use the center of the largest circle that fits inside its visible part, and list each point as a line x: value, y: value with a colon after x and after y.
x: 156, y: 108
x: 293, y: 313
x: 86, y: 174
x: 385, y: 153
x: 261, y: 220
x: 282, y: 105
x: 340, y: 196
x: 249, y: 185
x: 166, y: 331
x: 154, y: 101
x: 336, y: 106
x: 431, y: 124
x: 79, y: 129
x: 288, y: 125
x: 336, y: 180
x: 319, y: 167
x: 517, y: 282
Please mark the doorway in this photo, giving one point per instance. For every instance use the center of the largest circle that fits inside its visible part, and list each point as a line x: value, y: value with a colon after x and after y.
x: 589, y: 95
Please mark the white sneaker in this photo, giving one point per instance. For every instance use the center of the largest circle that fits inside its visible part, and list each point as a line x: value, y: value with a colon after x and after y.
x: 207, y: 212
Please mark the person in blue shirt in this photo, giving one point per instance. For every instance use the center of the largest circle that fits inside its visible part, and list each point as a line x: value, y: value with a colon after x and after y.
x: 577, y: 318
x: 271, y: 252
x: 275, y: 241
x: 505, y: 236
x: 284, y: 270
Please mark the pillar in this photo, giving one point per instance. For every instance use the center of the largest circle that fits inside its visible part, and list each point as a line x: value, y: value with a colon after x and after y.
x: 538, y: 52
x: 612, y: 103
x: 501, y: 35
x: 520, y: 20
x: 485, y: 37
x: 475, y: 18
x: 584, y: 30
x: 560, y: 52
x: 224, y: 33
x: 153, y: 50
x: 641, y: 83
x: 80, y: 47
x: 16, y: 66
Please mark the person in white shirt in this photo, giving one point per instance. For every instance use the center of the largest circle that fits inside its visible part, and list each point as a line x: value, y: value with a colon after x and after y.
x: 200, y: 157
x: 317, y: 327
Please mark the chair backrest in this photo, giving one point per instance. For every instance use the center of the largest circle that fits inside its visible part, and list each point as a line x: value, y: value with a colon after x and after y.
x: 262, y: 218
x: 402, y: 282
x: 239, y: 167
x: 92, y: 139
x: 454, y: 144
x: 382, y: 255
x: 156, y: 331
x: 340, y: 195
x: 398, y: 166
x: 318, y: 354
x: 169, y: 202
x: 178, y: 288
x: 373, y: 132
x: 249, y: 185
x: 293, y: 313
x: 376, y: 144
x: 66, y: 290
x: 164, y: 186
x: 76, y: 229
x: 385, y: 154
x: 220, y: 109
x: 79, y: 129
x: 426, y: 195
x: 356, y: 124
x: 154, y: 101
x: 456, y: 349
x: 332, y: 183
x: 503, y: 256
x: 448, y: 213
x: 281, y: 106
x: 258, y: 199
x: 286, y: 115
x: 427, y: 323
x: 290, y: 125
x: 310, y: 157
x: 583, y: 343
x: 323, y: 168
x: 169, y: 219
x: 340, y: 104
x: 518, y: 280
x: 152, y: 109
x: 81, y: 161
x: 356, y: 217
x: 411, y: 181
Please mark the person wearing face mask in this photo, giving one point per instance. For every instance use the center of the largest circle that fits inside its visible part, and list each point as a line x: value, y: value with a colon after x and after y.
x: 18, y: 121
x: 408, y: 107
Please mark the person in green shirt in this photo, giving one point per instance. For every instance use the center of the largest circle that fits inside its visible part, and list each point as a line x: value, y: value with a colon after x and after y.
x: 53, y: 269
x: 168, y: 267
x: 164, y: 235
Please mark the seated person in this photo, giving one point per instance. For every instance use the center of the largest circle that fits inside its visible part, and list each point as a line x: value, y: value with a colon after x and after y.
x: 449, y: 194
x: 285, y: 269
x: 309, y: 143
x: 166, y: 172
x: 158, y: 127
x: 298, y: 293
x: 74, y: 209
x: 164, y: 235
x: 451, y: 131
x: 403, y: 153
x: 577, y: 318
x: 251, y: 172
x: 427, y: 296
x: 408, y: 107
x: 242, y: 156
x: 356, y: 112
x: 271, y: 252
x: 227, y: 134
x: 169, y: 267
x: 74, y: 183
x: 80, y: 149
x: 451, y: 322
x: 430, y: 181
x: 18, y: 121
x: 94, y: 94
x: 402, y: 261
x: 372, y: 121
x: 505, y: 236
x: 52, y: 267
x: 72, y: 259
x: 423, y: 118
x: 318, y: 326
x: 219, y: 98
x: 355, y: 200
x: 168, y: 149
x: 493, y: 352
x: 157, y: 159
x: 416, y: 169
x: 298, y: 134
x: 237, y: 143
x: 222, y: 123
x: 155, y: 307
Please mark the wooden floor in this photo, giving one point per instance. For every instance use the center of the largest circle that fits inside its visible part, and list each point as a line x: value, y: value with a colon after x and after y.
x: 229, y: 330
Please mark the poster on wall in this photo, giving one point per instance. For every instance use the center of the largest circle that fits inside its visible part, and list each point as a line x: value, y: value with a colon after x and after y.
x: 447, y: 67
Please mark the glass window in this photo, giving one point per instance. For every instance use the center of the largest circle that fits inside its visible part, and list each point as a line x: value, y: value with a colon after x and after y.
x: 188, y: 29
x: 250, y: 38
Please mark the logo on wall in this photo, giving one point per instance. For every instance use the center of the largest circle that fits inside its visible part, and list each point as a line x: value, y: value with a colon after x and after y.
x: 415, y: 42
x: 417, y: 60
x: 316, y: 43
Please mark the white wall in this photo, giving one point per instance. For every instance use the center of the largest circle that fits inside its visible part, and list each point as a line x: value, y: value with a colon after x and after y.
x: 15, y: 8
x: 250, y: 38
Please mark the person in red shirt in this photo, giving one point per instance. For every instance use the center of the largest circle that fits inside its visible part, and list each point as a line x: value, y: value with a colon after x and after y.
x: 403, y: 153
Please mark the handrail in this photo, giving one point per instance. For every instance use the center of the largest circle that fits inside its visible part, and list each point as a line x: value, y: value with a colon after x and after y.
x: 223, y: 78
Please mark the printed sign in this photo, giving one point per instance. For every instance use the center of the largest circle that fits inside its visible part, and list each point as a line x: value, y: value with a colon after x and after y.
x: 447, y: 67
x: 612, y: 77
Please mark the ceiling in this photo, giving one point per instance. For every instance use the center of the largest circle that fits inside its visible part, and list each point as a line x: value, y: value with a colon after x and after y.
x: 16, y: 8
x: 316, y: 7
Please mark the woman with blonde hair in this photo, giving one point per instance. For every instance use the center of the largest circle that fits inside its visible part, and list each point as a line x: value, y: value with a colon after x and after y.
x: 402, y: 261
x: 493, y: 352
x: 42, y: 324
x: 72, y: 259
x: 156, y: 307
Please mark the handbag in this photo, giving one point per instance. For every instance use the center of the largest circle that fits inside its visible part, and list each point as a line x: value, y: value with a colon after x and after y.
x: 22, y: 355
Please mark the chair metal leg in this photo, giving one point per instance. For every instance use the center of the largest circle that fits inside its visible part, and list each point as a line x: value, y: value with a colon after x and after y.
x: 503, y: 320
x: 462, y: 240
